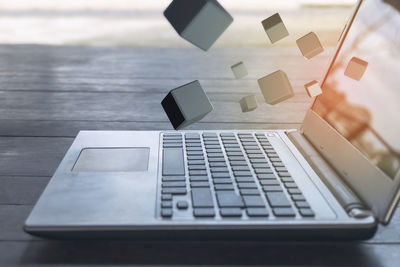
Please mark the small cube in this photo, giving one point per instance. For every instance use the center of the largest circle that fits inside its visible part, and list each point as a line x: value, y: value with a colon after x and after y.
x: 313, y: 89
x: 201, y: 22
x: 275, y: 28
x: 186, y: 104
x: 248, y: 103
x: 356, y: 68
x: 309, y: 45
x: 276, y: 87
x: 239, y: 70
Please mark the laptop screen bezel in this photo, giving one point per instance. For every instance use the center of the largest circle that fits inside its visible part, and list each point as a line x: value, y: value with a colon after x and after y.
x: 377, y: 190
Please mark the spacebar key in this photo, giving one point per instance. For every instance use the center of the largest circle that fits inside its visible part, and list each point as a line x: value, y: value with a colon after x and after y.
x: 173, y: 163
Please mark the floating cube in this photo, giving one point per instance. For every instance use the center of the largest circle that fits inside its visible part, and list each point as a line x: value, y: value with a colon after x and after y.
x: 276, y: 87
x: 186, y: 104
x: 239, y: 70
x: 275, y: 28
x: 313, y: 89
x: 200, y: 22
x: 309, y: 45
x: 356, y: 68
x: 248, y: 103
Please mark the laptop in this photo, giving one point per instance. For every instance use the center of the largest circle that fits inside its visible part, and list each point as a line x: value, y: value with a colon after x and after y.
x: 337, y: 177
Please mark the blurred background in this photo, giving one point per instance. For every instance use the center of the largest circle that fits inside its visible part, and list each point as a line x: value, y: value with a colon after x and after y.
x: 141, y: 23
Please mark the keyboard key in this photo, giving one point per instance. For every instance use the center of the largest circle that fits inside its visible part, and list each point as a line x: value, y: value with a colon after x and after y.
x: 272, y: 188
x: 278, y: 164
x: 284, y: 174
x: 281, y: 169
x: 227, y: 134
x: 220, y: 175
x: 249, y: 191
x: 209, y: 134
x: 244, y: 179
x: 199, y: 184
x: 287, y: 179
x: 253, y: 201
x: 229, y: 199
x: 233, y: 144
x: 202, y: 198
x: 264, y: 161
x: 261, y: 166
x: 230, y: 212
x: 173, y: 178
x: 257, y: 212
x: 166, y: 204
x: 277, y: 199
x: 198, y: 178
x: 275, y: 159
x: 239, y: 154
x: 240, y: 168
x: 197, y: 167
x: 302, y: 204
x: 194, y: 153
x: 283, y: 212
x: 272, y: 155
x: 294, y: 191
x: 182, y: 205
x: 172, y: 145
x: 224, y: 187
x: 215, y: 155
x: 192, y: 136
x: 298, y: 197
x: 233, y: 149
x: 198, y: 212
x: 238, y: 163
x: 198, y: 173
x: 306, y: 212
x: 269, y: 182
x: 195, y: 158
x: 197, y: 145
x: 166, y: 197
x: 217, y: 164
x: 258, y: 171
x: 194, y: 148
x: 236, y: 158
x: 174, y: 191
x: 290, y: 185
x: 220, y: 159
x: 173, y: 163
x: 263, y: 176
x: 222, y: 181
x: 242, y: 173
x: 218, y: 169
x: 173, y: 184
x: 213, y: 146
x: 166, y: 213
x: 214, y: 150
x: 248, y: 185
x: 196, y: 162
x: 256, y: 156
x: 250, y: 152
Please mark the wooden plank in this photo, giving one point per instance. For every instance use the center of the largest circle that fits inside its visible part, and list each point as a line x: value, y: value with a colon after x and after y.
x: 139, y: 107
x: 113, y: 253
x: 24, y: 156
x: 71, y: 128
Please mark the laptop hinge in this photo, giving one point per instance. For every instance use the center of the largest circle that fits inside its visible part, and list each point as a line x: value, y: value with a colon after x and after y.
x: 343, y: 193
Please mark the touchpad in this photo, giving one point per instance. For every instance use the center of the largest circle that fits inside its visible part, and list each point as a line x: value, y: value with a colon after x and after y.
x: 126, y: 159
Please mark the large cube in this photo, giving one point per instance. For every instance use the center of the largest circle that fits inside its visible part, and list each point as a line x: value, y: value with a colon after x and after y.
x: 248, y: 103
x: 275, y: 28
x: 186, y: 104
x: 200, y: 22
x: 276, y: 87
x: 313, y: 89
x: 309, y: 45
x: 356, y: 68
x: 239, y: 70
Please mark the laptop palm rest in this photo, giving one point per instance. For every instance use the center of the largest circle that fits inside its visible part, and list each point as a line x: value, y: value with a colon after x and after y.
x: 129, y: 159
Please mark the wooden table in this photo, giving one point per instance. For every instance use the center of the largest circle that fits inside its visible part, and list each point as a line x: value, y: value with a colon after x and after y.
x: 48, y: 94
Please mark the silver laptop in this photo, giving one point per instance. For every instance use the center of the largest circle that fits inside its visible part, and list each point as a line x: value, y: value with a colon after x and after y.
x: 335, y: 178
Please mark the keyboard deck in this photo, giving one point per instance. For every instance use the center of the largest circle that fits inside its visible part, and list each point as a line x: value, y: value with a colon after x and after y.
x: 226, y: 175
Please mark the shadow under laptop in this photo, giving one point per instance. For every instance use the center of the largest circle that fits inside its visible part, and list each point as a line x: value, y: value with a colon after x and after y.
x: 198, y: 253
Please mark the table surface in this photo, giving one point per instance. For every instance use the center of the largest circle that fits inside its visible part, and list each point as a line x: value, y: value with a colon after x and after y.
x: 49, y: 93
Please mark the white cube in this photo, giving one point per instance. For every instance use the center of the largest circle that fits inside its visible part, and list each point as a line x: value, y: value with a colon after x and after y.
x: 239, y: 70
x: 275, y: 28
x: 313, y: 89
x: 276, y: 87
x: 248, y: 103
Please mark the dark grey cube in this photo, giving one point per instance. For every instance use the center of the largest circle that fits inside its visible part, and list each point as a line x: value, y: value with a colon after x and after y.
x: 186, y: 104
x: 200, y: 22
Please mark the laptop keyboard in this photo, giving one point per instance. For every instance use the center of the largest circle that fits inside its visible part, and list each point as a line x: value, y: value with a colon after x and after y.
x: 226, y: 175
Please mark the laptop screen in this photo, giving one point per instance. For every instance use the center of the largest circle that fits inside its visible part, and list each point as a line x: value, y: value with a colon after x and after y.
x: 361, y: 93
